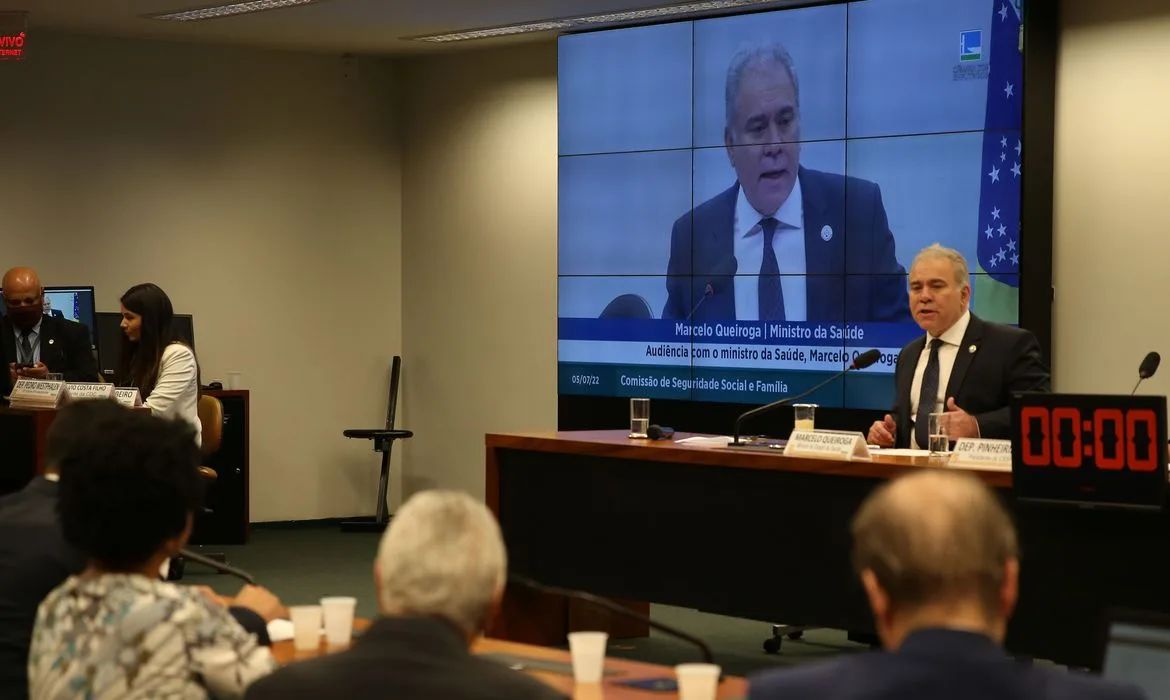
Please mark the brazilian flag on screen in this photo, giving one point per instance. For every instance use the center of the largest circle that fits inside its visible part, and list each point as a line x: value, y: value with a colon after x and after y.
x: 997, y: 284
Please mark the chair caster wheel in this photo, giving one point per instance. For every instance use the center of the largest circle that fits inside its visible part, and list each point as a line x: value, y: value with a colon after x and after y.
x: 796, y: 635
x: 772, y: 645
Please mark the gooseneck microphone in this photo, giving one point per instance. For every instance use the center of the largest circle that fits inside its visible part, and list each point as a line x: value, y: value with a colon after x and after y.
x: 218, y: 566
x: 720, y: 279
x: 862, y: 361
x: 614, y: 608
x: 1146, y: 370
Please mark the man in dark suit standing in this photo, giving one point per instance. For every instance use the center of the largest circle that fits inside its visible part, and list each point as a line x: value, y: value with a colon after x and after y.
x: 33, y: 344
x: 807, y: 245
x: 963, y: 366
x: 439, y: 575
x: 939, y: 561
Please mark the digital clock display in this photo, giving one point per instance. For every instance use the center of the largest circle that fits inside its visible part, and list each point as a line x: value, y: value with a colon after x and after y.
x: 1090, y: 449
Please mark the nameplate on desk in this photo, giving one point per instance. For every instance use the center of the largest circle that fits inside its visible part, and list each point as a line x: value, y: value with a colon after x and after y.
x: 982, y: 454
x: 827, y: 444
x: 129, y: 398
x: 36, y: 393
x: 81, y: 391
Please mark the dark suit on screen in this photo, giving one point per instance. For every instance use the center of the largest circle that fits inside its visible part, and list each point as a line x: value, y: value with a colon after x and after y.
x: 404, y: 658
x: 1006, y: 360
x: 935, y: 664
x: 853, y: 276
x: 65, y: 348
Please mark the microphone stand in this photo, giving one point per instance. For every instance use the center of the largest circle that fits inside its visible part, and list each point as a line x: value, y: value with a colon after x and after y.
x: 613, y: 607
x: 776, y: 404
x: 218, y: 566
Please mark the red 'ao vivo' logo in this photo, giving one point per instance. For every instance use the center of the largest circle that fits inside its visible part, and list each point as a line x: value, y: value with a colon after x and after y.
x: 12, y: 46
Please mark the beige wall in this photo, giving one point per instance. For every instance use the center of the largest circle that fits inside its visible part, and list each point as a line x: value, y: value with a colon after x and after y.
x: 478, y: 255
x: 1111, y: 244
x: 262, y: 191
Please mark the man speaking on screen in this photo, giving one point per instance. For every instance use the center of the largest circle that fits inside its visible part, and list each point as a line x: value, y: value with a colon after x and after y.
x: 964, y: 367
x: 807, y: 245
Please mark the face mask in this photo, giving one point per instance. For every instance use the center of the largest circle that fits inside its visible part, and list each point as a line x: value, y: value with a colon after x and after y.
x: 24, y: 317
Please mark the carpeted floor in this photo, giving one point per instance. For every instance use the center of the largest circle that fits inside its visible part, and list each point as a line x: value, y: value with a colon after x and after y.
x: 303, y: 563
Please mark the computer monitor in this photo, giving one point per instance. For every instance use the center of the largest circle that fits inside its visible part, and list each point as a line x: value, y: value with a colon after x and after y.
x: 1137, y: 651
x: 72, y: 303
x: 109, y: 329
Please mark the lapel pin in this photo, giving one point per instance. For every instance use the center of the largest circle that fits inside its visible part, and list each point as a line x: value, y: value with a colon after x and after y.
x: 826, y: 233
x: 971, y: 349
x: 51, y: 340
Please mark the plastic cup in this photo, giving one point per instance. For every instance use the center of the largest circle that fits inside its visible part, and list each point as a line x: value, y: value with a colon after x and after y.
x: 306, y: 620
x: 697, y: 681
x: 587, y: 650
x: 337, y: 613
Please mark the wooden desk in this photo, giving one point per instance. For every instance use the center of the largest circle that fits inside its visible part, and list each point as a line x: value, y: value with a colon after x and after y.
x: 731, y: 687
x: 761, y: 536
x: 22, y: 445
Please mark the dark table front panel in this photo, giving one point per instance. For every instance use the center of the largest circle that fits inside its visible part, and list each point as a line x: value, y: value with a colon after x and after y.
x: 773, y: 545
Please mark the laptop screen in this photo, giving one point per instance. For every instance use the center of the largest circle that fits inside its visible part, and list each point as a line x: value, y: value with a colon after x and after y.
x: 1139, y: 653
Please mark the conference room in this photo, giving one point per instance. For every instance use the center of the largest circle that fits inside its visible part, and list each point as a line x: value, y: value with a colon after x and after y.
x: 519, y: 215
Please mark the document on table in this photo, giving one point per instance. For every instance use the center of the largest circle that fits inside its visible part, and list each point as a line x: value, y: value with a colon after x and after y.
x: 708, y: 441
x: 899, y: 452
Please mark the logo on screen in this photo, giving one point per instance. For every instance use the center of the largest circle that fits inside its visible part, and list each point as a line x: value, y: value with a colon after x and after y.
x: 971, y: 45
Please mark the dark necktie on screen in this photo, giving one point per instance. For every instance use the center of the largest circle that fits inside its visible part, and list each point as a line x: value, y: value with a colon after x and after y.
x: 927, y: 397
x: 771, y: 292
x: 26, y: 353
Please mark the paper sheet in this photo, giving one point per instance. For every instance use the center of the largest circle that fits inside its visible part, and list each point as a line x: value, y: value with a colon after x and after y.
x: 699, y: 440
x: 878, y: 452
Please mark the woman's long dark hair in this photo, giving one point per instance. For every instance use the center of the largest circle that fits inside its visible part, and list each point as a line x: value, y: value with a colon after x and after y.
x: 139, y: 362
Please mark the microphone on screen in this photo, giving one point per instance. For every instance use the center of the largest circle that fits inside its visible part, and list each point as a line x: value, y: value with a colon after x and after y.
x: 1146, y: 369
x: 718, y: 281
x: 619, y: 610
x: 218, y: 566
x: 862, y: 361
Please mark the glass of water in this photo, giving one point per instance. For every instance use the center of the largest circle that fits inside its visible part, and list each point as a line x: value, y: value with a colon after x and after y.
x: 940, y: 442
x: 806, y: 414
x: 639, y: 417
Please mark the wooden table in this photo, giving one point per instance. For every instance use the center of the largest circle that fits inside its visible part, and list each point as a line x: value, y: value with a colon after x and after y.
x: 731, y: 687
x: 22, y: 437
x: 762, y: 536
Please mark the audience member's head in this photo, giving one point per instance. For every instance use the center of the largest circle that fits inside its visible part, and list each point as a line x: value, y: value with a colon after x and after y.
x: 442, y: 556
x: 74, y: 421
x: 936, y: 549
x: 129, y: 490
x: 147, y: 328
x: 23, y: 297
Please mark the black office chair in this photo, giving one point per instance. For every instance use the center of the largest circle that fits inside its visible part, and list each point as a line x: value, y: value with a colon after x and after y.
x: 628, y: 306
x: 383, y: 439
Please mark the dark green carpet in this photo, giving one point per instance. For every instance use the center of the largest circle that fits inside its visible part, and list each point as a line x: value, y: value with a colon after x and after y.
x: 302, y: 564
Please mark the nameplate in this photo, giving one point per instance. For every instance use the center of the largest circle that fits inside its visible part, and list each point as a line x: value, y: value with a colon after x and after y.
x: 827, y: 444
x: 36, y: 393
x: 130, y: 398
x: 977, y: 453
x: 81, y: 391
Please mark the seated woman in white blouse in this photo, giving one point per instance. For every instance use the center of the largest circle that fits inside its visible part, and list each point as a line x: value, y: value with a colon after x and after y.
x: 163, y: 368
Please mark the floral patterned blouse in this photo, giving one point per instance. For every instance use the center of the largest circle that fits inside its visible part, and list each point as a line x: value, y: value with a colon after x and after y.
x: 129, y: 636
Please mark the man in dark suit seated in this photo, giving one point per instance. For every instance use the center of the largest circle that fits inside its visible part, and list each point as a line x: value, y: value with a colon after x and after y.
x: 939, y: 561
x: 969, y: 368
x: 33, y: 343
x: 808, y: 245
x: 35, y: 559
x: 439, y: 575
